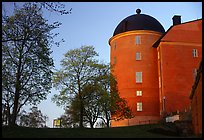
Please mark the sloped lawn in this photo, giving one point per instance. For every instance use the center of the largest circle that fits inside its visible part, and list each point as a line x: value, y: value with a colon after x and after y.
x: 139, y: 131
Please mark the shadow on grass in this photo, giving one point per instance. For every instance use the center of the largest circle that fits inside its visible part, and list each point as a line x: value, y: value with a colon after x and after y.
x: 139, y: 131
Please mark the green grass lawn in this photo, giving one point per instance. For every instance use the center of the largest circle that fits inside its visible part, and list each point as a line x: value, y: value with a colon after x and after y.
x: 139, y: 131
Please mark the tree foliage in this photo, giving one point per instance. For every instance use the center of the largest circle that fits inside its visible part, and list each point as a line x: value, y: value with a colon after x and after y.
x: 85, y: 87
x: 92, y: 109
x: 54, y: 7
x: 78, y: 68
x: 35, y: 118
x: 26, y: 62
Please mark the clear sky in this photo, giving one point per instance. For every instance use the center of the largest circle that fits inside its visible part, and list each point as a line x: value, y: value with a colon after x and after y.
x: 93, y: 23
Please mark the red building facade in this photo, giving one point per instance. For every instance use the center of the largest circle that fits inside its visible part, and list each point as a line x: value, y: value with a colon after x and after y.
x: 196, y: 102
x: 179, y: 53
x: 154, y: 69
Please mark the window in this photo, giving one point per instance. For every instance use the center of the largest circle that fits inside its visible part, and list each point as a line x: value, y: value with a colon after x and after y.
x: 195, y: 53
x: 138, y: 77
x: 139, y: 93
x: 138, y: 39
x: 139, y: 106
x: 138, y: 56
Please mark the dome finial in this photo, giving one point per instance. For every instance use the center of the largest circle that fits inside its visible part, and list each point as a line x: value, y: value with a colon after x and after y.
x: 138, y: 11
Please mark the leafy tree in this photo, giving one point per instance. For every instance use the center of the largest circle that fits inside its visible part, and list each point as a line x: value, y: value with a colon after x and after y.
x: 113, y: 107
x: 102, y: 98
x: 78, y: 68
x: 66, y: 121
x: 35, y: 118
x: 85, y: 86
x: 101, y: 103
x: 26, y: 62
x: 70, y: 119
x: 97, y: 95
x: 92, y: 110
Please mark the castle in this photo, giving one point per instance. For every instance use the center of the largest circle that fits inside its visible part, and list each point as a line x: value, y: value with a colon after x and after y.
x: 154, y: 69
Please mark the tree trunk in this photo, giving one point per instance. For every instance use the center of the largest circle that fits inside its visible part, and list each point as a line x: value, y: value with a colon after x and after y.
x: 14, y: 114
x: 107, y: 120
x: 8, y: 116
x: 81, y: 112
x: 91, y: 124
x: 81, y: 103
x: 17, y: 87
x: 16, y: 98
x: 107, y: 124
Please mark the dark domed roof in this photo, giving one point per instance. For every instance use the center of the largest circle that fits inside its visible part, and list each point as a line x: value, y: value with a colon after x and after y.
x: 138, y: 22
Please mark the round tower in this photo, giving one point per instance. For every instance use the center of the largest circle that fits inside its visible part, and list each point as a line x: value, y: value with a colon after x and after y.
x: 134, y: 64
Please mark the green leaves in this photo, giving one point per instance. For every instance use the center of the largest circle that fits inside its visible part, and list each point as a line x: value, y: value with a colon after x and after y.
x: 27, y: 65
x: 35, y: 118
x: 88, y: 87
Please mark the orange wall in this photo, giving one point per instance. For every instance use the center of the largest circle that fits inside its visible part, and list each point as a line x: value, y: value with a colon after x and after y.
x: 126, y: 67
x: 167, y: 70
x: 137, y: 120
x: 177, y: 65
x: 196, y: 105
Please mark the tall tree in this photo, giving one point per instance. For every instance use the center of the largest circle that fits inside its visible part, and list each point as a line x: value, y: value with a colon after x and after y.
x: 85, y: 86
x: 78, y: 68
x: 26, y: 62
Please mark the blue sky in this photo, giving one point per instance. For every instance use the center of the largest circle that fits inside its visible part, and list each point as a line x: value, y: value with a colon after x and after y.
x: 93, y: 23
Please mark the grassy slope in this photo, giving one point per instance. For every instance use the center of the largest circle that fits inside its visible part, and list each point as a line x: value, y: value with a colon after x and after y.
x: 140, y: 131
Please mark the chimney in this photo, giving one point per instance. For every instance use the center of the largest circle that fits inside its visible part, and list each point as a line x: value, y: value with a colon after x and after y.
x: 176, y: 20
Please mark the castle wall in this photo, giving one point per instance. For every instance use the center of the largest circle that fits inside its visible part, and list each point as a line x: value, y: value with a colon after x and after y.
x: 125, y: 66
x: 177, y: 65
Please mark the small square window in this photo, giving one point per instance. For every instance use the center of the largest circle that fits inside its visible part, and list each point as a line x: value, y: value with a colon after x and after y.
x: 139, y: 93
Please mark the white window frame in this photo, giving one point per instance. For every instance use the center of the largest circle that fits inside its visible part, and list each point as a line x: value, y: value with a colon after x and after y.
x: 138, y: 77
x: 138, y: 55
x: 139, y: 106
x: 138, y: 93
x: 195, y: 53
x: 138, y: 39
